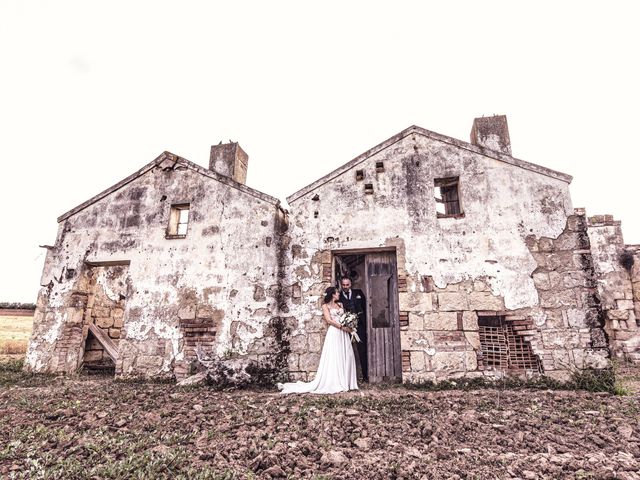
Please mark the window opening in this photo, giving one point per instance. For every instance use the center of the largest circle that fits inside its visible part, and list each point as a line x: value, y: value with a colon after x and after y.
x: 447, y: 197
x: 178, y: 221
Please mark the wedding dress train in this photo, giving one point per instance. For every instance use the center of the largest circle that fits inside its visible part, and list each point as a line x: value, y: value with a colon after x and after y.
x: 337, y: 369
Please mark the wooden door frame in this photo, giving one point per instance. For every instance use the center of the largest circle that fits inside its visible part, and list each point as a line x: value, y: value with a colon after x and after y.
x: 396, y: 313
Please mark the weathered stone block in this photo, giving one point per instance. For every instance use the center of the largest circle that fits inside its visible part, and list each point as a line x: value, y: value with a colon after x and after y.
x: 149, y: 364
x: 104, y: 322
x: 480, y: 286
x: 450, y: 341
x: 618, y: 314
x: 577, y: 318
x: 576, y: 223
x: 118, y: 322
x: 473, y: 339
x: 100, y: 311
x: 209, y: 312
x: 561, y: 262
x: 559, y: 375
x: 315, y: 342
x: 545, y: 244
x: 485, y: 301
x: 187, y: 313
x: 418, y: 377
x: 469, y: 321
x: 417, y: 361
x: 625, y: 304
x: 292, y: 361
x: 575, y: 279
x: 413, y: 340
x: 74, y: 316
x: 593, y: 358
x: 450, y: 301
x: 562, y: 359
x: 449, y: 362
x: 309, y: 362
x: 570, y: 241
x: 541, y: 280
x: 415, y: 301
x: 114, y: 332
x: 441, y: 321
x: 471, y: 361
x: 298, y: 343
x: 557, y: 299
x: 555, y: 338
x: 315, y: 324
x: 416, y: 322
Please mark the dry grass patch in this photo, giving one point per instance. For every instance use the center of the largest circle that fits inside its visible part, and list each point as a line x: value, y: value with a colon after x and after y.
x: 14, y: 334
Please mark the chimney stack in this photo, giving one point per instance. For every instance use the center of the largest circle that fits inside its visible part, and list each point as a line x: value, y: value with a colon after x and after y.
x: 491, y: 133
x: 230, y: 160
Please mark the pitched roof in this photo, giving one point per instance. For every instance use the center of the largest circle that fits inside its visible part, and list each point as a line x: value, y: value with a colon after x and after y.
x: 170, y: 160
x: 435, y: 136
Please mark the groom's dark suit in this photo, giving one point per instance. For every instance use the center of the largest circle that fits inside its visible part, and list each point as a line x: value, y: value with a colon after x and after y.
x: 354, y: 301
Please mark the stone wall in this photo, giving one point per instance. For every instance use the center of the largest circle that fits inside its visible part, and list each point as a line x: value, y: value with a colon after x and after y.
x: 217, y: 287
x: 615, y: 288
x: 518, y: 251
x: 515, y: 269
x: 634, y: 250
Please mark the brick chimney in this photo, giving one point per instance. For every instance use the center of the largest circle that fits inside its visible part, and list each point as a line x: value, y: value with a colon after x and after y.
x: 491, y: 133
x: 230, y: 160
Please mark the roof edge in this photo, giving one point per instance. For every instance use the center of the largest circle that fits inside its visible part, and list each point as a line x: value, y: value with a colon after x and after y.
x: 435, y: 136
x: 170, y: 157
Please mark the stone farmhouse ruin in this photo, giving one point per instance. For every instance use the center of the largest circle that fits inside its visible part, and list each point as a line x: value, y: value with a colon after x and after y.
x: 474, y: 263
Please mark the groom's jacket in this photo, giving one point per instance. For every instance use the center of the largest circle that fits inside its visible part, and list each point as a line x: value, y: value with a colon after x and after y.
x: 356, y: 304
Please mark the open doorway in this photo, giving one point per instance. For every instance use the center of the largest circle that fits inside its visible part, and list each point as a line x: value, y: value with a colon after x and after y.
x: 103, y: 315
x: 375, y: 273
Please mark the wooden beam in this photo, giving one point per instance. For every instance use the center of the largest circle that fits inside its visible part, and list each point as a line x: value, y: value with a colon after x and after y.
x: 105, y: 341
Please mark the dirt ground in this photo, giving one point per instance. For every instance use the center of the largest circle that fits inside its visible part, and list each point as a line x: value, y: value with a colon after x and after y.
x: 95, y: 427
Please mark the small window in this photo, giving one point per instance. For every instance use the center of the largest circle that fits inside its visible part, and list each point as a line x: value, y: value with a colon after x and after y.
x: 359, y: 175
x: 379, y: 167
x: 447, y: 197
x: 178, y: 221
x: 368, y: 188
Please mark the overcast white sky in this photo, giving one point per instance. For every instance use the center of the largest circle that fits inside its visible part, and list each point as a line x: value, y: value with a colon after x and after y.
x: 91, y: 91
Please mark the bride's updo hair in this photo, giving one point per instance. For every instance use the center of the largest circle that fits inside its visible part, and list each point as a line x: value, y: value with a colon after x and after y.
x: 328, y: 293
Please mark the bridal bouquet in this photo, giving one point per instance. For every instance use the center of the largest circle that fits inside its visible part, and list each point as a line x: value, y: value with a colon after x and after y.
x: 350, y: 319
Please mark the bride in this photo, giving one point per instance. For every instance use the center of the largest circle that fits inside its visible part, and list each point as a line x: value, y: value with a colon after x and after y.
x: 337, y: 368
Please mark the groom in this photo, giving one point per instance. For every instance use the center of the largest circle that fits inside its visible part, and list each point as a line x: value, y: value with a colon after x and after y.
x: 353, y: 301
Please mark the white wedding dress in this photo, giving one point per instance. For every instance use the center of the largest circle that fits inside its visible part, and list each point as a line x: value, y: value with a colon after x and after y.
x: 337, y: 369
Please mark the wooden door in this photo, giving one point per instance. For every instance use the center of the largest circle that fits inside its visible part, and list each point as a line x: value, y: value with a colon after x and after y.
x: 383, y: 326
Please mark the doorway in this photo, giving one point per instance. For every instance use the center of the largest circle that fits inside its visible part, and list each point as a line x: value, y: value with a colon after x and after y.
x: 375, y: 272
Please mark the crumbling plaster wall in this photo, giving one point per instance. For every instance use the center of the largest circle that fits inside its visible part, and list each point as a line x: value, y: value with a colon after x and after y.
x: 224, y: 273
x: 635, y: 283
x: 453, y: 266
x: 615, y: 286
